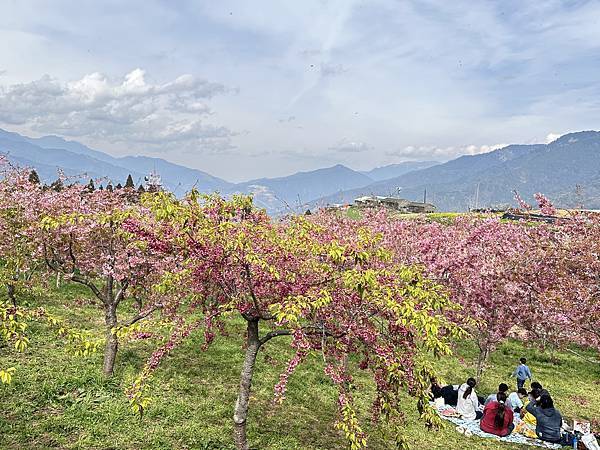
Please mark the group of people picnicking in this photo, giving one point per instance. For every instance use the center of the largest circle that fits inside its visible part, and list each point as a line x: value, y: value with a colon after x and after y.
x: 496, y: 412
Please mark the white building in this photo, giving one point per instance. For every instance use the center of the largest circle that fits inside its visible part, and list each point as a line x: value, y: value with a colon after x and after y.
x: 153, y: 182
x: 395, y: 203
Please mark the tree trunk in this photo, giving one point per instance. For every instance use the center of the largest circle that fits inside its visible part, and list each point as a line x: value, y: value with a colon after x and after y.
x: 10, y: 288
x: 240, y: 414
x: 112, y: 343
x: 481, y: 360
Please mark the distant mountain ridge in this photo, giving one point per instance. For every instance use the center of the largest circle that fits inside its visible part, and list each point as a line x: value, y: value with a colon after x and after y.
x: 288, y: 194
x: 49, y: 153
x: 395, y: 170
x: 489, y: 179
x: 278, y: 195
x: 566, y: 170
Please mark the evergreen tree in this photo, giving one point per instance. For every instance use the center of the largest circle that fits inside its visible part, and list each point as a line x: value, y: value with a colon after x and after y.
x: 109, y: 187
x: 57, y: 185
x: 141, y: 189
x: 90, y: 186
x: 129, y: 182
x: 101, y: 188
x: 118, y: 186
x: 34, y: 177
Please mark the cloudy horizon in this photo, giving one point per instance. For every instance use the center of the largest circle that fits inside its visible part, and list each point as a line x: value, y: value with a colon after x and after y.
x: 244, y: 90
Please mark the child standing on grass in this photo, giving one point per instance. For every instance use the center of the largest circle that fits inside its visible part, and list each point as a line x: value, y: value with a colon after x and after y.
x: 522, y: 372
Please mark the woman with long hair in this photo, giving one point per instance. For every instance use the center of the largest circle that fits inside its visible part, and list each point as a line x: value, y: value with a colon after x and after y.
x: 468, y: 403
x: 497, y: 417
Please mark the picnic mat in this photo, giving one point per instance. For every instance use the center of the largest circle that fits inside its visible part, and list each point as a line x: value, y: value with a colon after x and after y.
x: 473, y: 427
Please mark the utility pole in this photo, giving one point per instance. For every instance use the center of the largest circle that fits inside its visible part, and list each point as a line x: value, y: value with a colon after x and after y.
x: 477, y: 197
x: 579, y: 196
x: 425, y: 196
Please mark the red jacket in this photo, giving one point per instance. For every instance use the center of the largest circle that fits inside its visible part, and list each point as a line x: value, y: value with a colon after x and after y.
x: 489, y: 415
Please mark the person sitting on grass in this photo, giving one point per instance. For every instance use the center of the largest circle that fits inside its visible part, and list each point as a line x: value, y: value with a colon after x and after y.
x: 449, y: 393
x: 538, y: 385
x: 497, y: 417
x: 434, y: 390
x: 522, y: 372
x: 468, y: 403
x: 549, y: 419
x: 502, y: 387
x: 516, y: 399
x: 526, y: 416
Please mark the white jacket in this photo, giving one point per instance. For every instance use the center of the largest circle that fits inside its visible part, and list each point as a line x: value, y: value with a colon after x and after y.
x: 467, y: 407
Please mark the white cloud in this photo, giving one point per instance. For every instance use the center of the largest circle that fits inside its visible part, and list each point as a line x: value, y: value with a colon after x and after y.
x: 551, y: 137
x: 419, y: 73
x: 332, y: 70
x: 170, y: 115
x: 441, y: 153
x: 346, y: 146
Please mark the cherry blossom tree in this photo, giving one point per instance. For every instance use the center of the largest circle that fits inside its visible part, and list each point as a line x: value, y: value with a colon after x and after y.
x: 563, y: 281
x: 20, y: 212
x: 579, y: 256
x: 335, y: 290
x: 19, y: 196
x: 555, y: 278
x: 546, y: 207
x: 478, y: 258
x: 81, y: 235
x: 538, y: 277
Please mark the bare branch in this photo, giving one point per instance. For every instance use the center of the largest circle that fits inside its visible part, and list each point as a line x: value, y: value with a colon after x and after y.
x: 273, y: 334
x: 121, y: 293
x: 593, y: 361
x: 140, y: 316
x: 71, y: 254
x: 90, y: 284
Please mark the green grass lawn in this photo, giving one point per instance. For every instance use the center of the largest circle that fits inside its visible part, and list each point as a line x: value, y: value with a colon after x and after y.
x: 354, y: 212
x: 62, y: 401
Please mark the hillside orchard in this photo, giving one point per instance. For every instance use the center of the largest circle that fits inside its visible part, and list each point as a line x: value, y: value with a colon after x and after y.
x: 387, y: 295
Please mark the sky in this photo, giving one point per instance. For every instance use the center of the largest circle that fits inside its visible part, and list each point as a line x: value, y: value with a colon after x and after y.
x: 246, y: 89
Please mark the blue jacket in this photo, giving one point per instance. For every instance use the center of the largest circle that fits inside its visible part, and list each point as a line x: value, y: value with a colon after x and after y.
x: 522, y: 372
x: 549, y: 422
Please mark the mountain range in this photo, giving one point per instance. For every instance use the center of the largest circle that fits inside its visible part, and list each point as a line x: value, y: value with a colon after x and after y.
x: 50, y: 153
x: 278, y: 195
x: 566, y: 170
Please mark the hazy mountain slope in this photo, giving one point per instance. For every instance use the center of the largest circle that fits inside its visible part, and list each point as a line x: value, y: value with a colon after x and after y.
x: 413, y: 184
x: 46, y: 172
x: 51, y: 142
x: 181, y: 178
x: 11, y: 136
x: 395, y: 170
x: 287, y: 193
x: 48, y: 161
x: 488, y: 180
x: 76, y: 158
x: 484, y: 180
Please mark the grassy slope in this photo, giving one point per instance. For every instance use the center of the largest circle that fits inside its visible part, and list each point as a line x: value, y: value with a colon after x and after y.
x: 60, y: 401
x: 355, y: 213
